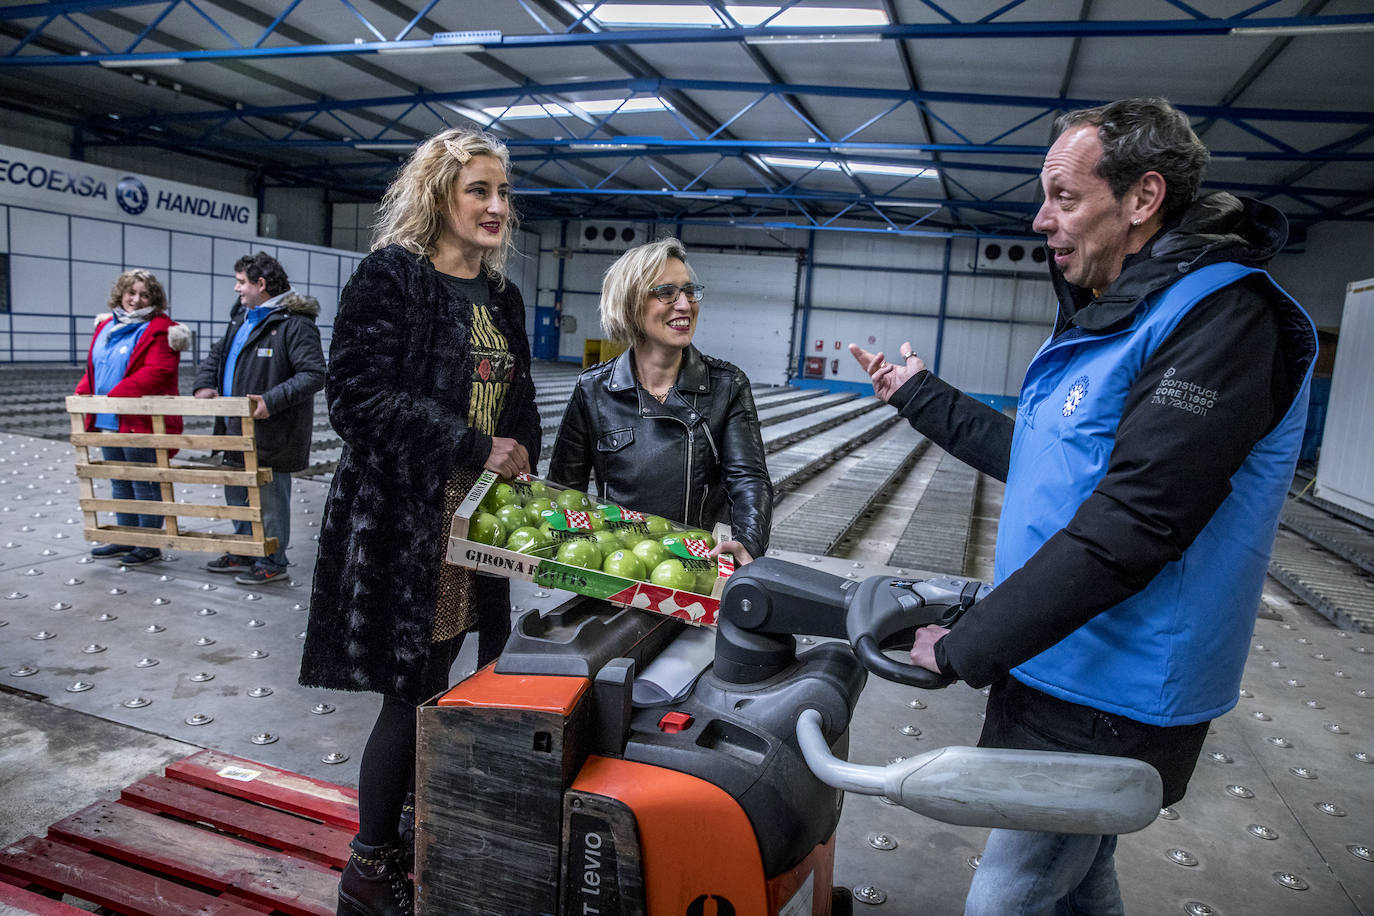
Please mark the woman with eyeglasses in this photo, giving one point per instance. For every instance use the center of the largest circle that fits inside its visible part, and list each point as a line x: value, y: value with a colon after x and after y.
x: 664, y: 428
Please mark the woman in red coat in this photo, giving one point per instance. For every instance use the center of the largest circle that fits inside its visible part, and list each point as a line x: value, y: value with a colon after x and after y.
x: 134, y: 352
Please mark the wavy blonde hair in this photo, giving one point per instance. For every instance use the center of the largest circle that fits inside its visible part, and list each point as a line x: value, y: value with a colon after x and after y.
x: 157, y: 296
x: 626, y: 283
x: 412, y: 211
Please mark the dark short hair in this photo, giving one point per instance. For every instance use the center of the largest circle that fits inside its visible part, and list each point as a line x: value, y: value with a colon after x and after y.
x: 1139, y: 136
x: 262, y: 266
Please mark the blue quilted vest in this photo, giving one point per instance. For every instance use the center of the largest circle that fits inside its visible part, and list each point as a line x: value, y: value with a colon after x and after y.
x: 1173, y: 653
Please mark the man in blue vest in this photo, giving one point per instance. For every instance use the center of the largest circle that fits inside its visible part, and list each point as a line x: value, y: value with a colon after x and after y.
x: 271, y: 354
x: 1155, y: 438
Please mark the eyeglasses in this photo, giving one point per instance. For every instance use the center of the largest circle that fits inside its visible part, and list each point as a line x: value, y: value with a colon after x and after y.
x: 667, y: 292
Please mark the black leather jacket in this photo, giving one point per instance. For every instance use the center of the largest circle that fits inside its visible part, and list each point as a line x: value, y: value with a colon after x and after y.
x: 696, y: 458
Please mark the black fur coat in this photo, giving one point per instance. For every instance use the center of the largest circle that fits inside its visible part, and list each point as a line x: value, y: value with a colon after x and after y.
x: 398, y: 386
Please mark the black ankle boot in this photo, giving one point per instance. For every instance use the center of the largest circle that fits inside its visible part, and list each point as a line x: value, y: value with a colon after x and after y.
x: 374, y: 883
x: 405, y: 832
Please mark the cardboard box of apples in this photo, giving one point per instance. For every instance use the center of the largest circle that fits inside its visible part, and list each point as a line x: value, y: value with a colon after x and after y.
x: 530, y: 529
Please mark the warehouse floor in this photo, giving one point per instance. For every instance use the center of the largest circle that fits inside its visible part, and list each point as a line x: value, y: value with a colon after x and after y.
x: 1299, y: 744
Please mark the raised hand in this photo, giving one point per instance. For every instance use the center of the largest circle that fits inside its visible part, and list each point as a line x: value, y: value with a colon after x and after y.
x: 888, y: 377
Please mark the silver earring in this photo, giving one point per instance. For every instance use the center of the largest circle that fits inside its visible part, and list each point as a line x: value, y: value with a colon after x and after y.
x: 1135, y: 222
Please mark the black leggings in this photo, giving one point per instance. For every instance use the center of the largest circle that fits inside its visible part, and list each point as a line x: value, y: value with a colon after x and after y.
x: 387, y: 771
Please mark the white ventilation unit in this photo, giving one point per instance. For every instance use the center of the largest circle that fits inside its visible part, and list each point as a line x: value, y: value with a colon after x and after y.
x: 606, y: 236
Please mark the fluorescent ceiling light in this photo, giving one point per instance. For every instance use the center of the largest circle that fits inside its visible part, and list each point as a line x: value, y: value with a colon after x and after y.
x: 432, y: 48
x: 810, y: 39
x: 671, y: 14
x: 604, y: 145
x: 707, y: 195
x: 139, y: 62
x: 386, y: 144
x: 862, y: 168
x: 588, y: 106
x: 1316, y: 28
x: 909, y: 205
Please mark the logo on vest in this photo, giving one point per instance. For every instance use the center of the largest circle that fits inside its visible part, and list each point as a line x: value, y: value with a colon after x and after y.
x: 1077, y: 392
x: 131, y: 195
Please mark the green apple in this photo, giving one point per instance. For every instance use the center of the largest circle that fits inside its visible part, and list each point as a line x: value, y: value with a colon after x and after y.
x: 573, y: 500
x: 672, y: 574
x: 535, y: 507
x: 650, y: 552
x: 527, y: 539
x: 698, y: 534
x: 580, y: 552
x: 658, y: 525
x: 625, y: 564
x: 538, y: 489
x: 706, y: 580
x: 487, y: 529
x: 503, y: 494
x: 512, y: 516
x: 670, y: 542
x: 608, y: 541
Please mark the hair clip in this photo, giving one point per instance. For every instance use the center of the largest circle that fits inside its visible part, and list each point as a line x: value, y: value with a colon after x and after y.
x: 457, y: 152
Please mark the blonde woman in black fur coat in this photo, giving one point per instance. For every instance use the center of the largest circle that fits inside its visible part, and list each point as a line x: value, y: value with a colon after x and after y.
x: 428, y: 384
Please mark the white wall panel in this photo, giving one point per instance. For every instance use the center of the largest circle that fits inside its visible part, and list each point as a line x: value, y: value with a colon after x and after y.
x: 328, y: 297
x: 192, y: 252
x: 296, y: 263
x: 192, y: 295
x: 38, y: 233
x: 324, y: 268
x: 746, y: 316
x: 39, y: 285
x: 97, y: 240
x: 4, y: 228
x: 228, y: 251
x: 1345, y: 471
x: 91, y: 284
x: 145, y: 247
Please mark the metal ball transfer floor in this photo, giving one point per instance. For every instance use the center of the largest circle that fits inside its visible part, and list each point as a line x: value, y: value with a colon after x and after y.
x: 107, y: 673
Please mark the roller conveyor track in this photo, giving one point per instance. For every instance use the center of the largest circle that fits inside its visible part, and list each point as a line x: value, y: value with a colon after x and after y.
x: 799, y: 461
x: 773, y: 415
x: 825, y: 519
x: 1341, y: 591
x: 1346, y: 540
x: 936, y: 536
x: 781, y: 435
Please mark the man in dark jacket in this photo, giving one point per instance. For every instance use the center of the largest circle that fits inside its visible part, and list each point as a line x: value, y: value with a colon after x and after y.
x: 271, y: 354
x: 1154, y: 442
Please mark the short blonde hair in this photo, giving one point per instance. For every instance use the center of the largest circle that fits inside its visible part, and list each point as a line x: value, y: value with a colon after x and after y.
x: 157, y: 296
x: 626, y: 283
x: 413, y: 209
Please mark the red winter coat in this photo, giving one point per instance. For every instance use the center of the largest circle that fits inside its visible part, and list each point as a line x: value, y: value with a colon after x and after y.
x: 152, y: 370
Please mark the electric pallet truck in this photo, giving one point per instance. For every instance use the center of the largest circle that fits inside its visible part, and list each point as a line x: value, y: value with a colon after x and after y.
x: 541, y: 789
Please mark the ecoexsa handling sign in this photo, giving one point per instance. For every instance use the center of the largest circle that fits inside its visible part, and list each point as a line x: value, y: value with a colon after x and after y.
x: 67, y: 186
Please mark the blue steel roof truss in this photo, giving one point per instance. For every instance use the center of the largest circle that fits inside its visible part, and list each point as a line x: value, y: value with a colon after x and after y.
x: 601, y: 170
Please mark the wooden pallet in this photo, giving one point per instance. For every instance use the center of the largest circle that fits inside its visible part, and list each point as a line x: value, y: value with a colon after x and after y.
x: 215, y: 834
x: 166, y: 474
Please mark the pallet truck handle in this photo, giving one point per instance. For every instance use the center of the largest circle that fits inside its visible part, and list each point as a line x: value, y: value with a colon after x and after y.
x: 994, y: 787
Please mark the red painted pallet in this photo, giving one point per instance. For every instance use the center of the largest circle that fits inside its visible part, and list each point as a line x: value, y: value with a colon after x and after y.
x: 216, y: 835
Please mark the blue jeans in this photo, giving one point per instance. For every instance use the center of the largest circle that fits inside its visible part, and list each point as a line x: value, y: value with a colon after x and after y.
x: 1024, y: 873
x: 134, y: 489
x: 276, y: 515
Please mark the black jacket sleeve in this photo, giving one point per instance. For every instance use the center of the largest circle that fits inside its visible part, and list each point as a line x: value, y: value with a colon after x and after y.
x: 307, y: 366
x: 965, y: 427
x: 1169, y: 471
x: 745, y: 472
x: 570, y: 465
